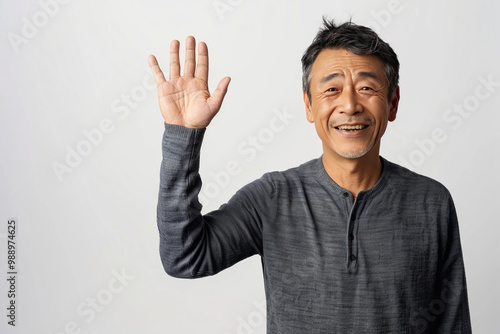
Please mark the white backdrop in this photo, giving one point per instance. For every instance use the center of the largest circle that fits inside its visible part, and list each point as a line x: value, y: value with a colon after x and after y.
x: 81, y: 146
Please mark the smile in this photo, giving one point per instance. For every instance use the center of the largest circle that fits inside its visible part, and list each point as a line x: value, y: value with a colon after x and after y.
x: 351, y: 127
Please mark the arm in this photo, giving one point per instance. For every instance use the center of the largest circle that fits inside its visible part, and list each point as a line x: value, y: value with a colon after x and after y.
x: 192, y: 245
x: 451, y: 306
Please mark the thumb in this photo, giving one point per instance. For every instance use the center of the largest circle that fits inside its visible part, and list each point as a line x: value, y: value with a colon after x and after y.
x: 215, y: 100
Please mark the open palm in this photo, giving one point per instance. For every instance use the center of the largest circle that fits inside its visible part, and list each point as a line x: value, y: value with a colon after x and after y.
x: 185, y: 100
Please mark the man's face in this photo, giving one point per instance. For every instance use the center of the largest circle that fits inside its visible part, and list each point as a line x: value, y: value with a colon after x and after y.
x: 349, y: 103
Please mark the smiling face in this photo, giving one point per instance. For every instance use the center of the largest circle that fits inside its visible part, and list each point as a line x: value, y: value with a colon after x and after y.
x: 349, y: 103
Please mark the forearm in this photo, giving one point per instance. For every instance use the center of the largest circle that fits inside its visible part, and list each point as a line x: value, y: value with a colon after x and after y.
x: 178, y: 209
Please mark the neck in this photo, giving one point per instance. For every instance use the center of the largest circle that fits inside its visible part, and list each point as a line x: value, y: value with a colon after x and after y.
x: 354, y: 175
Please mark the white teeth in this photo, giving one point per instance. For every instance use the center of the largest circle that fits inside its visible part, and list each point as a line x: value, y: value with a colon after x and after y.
x: 351, y: 127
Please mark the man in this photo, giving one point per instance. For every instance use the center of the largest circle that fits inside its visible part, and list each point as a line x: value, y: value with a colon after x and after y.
x: 350, y: 242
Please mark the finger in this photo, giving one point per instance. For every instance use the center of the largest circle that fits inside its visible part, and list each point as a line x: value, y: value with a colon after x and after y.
x: 215, y: 101
x: 175, y: 67
x: 155, y: 68
x: 190, y: 62
x: 202, y: 66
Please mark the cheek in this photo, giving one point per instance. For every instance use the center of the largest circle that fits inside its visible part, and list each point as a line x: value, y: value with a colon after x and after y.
x: 382, y: 126
x: 381, y: 110
x: 325, y: 109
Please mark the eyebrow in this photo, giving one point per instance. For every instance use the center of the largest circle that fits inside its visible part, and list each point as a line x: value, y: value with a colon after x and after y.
x: 331, y: 76
x: 369, y: 75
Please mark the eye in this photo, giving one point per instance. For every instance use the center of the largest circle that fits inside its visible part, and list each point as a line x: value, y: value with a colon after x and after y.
x: 366, y: 88
x: 332, y: 90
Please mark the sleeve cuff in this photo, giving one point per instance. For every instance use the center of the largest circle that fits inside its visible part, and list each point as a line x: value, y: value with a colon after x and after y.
x: 180, y: 139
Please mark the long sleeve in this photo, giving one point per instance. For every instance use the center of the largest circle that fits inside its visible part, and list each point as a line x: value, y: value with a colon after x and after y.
x: 195, y: 245
x: 449, y: 310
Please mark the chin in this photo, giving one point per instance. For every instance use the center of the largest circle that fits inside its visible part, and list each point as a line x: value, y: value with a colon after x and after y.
x: 355, y: 154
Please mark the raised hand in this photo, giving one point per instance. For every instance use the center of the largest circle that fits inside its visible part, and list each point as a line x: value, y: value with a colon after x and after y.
x: 185, y: 100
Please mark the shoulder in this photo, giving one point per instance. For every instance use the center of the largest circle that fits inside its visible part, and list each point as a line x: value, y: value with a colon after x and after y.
x: 403, y: 179
x: 271, y: 184
x: 294, y: 181
x: 301, y: 173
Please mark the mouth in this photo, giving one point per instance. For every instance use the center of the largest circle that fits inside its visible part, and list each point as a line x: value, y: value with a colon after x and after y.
x: 353, y: 128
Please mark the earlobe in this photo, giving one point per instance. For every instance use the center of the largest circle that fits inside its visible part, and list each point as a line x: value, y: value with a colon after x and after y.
x: 307, y: 104
x: 394, y: 104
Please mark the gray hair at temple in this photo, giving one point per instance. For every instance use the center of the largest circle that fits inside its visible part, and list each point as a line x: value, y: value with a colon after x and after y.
x: 354, y: 38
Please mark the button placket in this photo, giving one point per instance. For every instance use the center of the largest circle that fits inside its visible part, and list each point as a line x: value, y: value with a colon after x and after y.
x: 351, y: 242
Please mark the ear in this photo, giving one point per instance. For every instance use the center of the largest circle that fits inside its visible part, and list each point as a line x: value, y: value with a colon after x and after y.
x: 394, y: 105
x: 307, y: 103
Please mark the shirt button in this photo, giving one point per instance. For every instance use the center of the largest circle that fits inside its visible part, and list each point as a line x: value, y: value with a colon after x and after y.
x: 351, y: 237
x: 346, y: 195
x: 353, y: 257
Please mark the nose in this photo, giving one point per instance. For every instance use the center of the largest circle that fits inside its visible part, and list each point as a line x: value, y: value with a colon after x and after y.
x: 348, y: 102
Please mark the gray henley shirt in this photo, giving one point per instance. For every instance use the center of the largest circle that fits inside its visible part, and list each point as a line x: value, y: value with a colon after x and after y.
x: 389, y: 261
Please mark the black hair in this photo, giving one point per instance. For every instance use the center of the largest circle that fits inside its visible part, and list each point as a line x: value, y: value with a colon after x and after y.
x: 357, y: 39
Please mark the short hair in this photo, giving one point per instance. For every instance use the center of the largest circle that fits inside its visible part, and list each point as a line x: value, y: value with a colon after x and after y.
x: 357, y: 39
